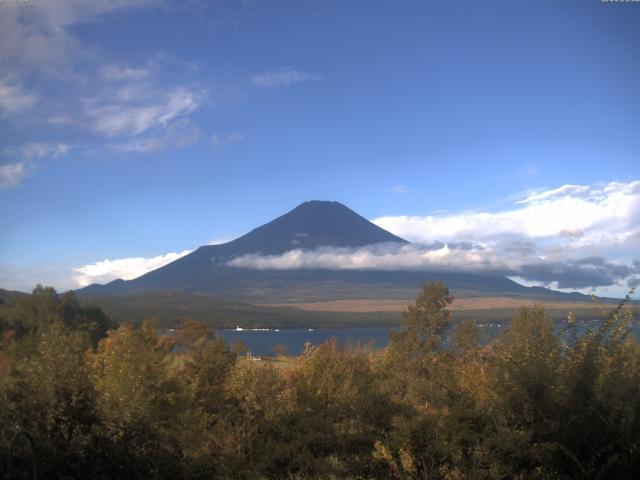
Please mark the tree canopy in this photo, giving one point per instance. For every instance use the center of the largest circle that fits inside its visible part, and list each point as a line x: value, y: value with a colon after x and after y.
x: 441, y: 401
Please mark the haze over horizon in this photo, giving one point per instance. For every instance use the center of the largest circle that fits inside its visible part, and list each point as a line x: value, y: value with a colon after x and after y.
x: 498, y: 136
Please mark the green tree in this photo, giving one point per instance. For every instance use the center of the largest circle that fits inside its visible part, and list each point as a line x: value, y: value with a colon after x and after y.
x: 425, y: 321
x: 26, y: 314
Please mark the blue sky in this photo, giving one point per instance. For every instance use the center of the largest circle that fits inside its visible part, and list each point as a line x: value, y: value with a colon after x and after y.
x: 144, y: 128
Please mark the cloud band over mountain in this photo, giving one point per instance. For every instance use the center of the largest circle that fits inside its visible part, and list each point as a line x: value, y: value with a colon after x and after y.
x: 591, y: 272
x: 571, y: 237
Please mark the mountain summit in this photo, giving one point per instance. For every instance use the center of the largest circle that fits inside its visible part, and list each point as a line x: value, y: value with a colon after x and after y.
x: 311, y: 225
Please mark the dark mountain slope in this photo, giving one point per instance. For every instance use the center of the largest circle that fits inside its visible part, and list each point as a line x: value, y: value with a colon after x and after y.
x: 308, y: 226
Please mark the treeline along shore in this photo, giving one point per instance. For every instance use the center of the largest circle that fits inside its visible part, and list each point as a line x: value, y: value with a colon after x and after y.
x: 107, y: 401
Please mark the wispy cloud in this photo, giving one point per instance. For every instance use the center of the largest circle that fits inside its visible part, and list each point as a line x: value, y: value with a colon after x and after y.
x: 125, y: 72
x: 100, y: 104
x: 399, y: 189
x: 23, y: 159
x: 125, y: 268
x: 283, y: 78
x: 37, y: 35
x: 37, y: 150
x: 136, y: 118
x: 219, y: 140
x: 13, y: 174
x: 178, y: 134
x: 529, y: 170
x: 565, y: 191
x: 13, y: 97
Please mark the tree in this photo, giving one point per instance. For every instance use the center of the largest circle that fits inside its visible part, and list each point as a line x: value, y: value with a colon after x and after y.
x: 340, y: 410
x: 413, y: 355
x: 139, y: 401
x: 254, y: 438
x: 426, y: 319
x: 49, y: 394
x: 25, y: 315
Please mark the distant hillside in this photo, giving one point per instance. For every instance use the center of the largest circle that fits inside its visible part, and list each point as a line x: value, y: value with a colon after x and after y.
x: 171, y: 308
x: 310, y: 225
x: 8, y: 295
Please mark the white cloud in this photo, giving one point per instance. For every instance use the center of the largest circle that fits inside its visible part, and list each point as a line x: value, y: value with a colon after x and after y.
x: 13, y: 98
x: 137, y: 118
x: 35, y: 35
x: 571, y: 237
x: 125, y: 268
x: 557, y: 193
x: 37, y: 150
x: 569, y: 274
x: 141, y: 105
x: 178, y: 134
x: 578, y: 215
x: 283, y: 78
x: 384, y: 256
x: 13, y: 174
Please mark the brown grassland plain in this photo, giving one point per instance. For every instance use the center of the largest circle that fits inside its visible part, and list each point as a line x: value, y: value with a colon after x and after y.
x: 364, y: 305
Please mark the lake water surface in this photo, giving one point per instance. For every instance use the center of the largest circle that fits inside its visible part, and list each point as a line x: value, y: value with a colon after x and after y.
x: 262, y: 342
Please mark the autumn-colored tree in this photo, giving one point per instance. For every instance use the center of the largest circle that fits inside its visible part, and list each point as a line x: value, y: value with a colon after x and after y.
x: 49, y: 393
x: 255, y: 442
x: 139, y: 402
x: 204, y: 365
x: 340, y: 409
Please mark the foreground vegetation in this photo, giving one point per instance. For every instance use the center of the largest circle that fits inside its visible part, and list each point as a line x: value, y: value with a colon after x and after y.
x: 104, y: 402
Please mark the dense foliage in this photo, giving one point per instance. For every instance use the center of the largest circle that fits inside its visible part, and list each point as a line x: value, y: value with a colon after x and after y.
x: 104, y: 402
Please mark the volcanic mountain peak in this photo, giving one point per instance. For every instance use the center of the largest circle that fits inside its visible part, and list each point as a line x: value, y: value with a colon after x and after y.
x: 310, y: 225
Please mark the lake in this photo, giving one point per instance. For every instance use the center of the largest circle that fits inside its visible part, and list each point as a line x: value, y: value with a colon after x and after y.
x: 262, y: 342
